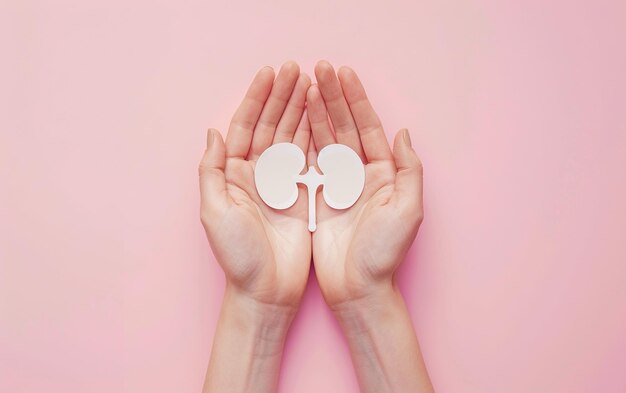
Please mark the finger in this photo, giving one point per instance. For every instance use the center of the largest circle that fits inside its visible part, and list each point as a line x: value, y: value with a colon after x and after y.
x: 408, y: 183
x: 245, y: 118
x: 318, y: 118
x: 343, y: 123
x: 311, y: 155
x: 302, y: 136
x: 273, y: 109
x: 293, y: 112
x: 211, y: 171
x: 373, y: 137
x: 338, y: 109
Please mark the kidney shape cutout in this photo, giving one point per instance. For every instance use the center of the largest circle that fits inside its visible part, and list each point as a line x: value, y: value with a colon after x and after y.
x: 278, y: 169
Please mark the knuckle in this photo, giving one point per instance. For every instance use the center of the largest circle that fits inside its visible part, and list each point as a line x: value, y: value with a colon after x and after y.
x: 207, y: 170
x: 419, y: 166
x: 203, y: 165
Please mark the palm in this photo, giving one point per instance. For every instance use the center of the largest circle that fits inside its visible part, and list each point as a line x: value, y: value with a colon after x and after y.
x: 279, y: 238
x: 266, y: 252
x: 349, y: 235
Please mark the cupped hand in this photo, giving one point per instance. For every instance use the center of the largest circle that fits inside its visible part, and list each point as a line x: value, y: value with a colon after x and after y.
x: 265, y: 253
x: 357, y: 250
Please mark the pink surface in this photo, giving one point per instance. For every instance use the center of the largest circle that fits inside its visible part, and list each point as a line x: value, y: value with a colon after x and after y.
x: 517, y: 282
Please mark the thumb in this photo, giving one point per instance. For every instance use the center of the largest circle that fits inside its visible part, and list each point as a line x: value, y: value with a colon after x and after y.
x: 211, y: 170
x: 408, y: 184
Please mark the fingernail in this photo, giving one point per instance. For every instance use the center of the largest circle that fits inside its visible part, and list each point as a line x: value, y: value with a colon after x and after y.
x: 209, y: 138
x: 407, y: 137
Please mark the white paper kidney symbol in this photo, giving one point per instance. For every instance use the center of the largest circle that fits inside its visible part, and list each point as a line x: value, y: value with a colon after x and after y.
x: 278, y: 169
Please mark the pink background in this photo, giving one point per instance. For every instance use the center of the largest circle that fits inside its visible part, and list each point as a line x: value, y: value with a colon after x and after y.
x: 517, y: 282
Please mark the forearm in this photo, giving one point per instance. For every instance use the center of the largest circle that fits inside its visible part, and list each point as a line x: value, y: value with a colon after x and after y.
x: 248, y: 345
x: 382, y: 342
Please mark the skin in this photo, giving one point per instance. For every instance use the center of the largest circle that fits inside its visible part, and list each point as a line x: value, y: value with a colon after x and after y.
x: 357, y: 251
x: 266, y: 253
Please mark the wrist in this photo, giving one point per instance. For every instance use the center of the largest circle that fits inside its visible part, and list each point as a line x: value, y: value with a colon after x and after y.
x: 357, y: 314
x: 271, y: 294
x: 357, y: 291
x: 382, y: 342
x: 248, y: 344
x: 266, y: 321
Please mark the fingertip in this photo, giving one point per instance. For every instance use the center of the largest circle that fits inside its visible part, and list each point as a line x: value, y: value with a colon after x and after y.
x: 264, y: 77
x: 210, y: 136
x: 345, y: 72
x: 313, y: 93
x: 403, y: 151
x: 407, y: 138
x: 344, y: 69
x: 323, y: 68
x: 265, y: 70
x: 290, y: 67
x: 214, y: 136
x: 403, y: 136
x: 400, y: 138
x: 323, y: 63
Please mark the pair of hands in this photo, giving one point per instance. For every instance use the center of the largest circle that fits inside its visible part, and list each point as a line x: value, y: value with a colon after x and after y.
x: 265, y: 253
